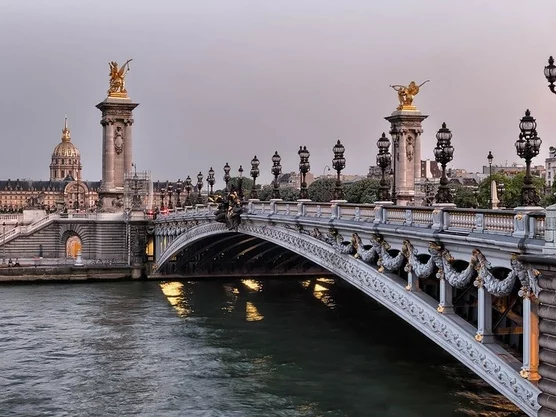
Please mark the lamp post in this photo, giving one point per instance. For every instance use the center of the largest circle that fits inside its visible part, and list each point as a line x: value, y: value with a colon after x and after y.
x: 179, y: 189
x: 254, y: 174
x: 527, y: 147
x: 395, y: 142
x: 188, y: 188
x: 199, y: 187
x: 170, y: 203
x: 490, y: 158
x: 240, y: 183
x: 227, y: 175
x: 550, y: 74
x: 210, y: 180
x: 339, y: 163
x: 444, y: 153
x: 304, y: 167
x: 383, y: 160
x: 162, y: 194
x: 276, y: 171
x: 127, y: 213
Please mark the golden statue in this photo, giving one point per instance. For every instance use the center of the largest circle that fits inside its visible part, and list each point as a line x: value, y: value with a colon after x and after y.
x: 117, y: 79
x: 406, y: 94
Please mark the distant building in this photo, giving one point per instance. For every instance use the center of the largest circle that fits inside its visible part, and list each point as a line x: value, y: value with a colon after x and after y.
x: 64, y: 190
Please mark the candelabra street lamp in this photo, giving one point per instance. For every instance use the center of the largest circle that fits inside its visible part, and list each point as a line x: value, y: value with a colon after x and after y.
x: 179, y: 189
x: 227, y: 175
x: 490, y: 158
x: 199, y: 187
x: 304, y: 167
x: 170, y: 187
x: 527, y: 147
x: 254, y: 174
x: 188, y: 188
x: 276, y: 171
x: 240, y: 183
x: 383, y: 160
x: 395, y: 142
x: 550, y: 74
x: 162, y: 195
x: 444, y: 153
x: 211, y: 180
x: 338, y: 163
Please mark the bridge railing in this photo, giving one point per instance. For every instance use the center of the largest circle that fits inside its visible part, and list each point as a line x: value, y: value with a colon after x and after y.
x: 522, y: 224
x: 504, y: 222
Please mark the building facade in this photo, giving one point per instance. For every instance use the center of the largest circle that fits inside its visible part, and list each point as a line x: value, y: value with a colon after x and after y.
x: 65, y: 190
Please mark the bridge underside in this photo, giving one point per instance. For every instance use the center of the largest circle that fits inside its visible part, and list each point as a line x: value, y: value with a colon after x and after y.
x: 233, y: 254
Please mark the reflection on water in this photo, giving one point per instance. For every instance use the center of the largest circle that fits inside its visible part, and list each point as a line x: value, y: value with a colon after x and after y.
x: 251, y: 312
x: 238, y: 348
x: 174, y: 291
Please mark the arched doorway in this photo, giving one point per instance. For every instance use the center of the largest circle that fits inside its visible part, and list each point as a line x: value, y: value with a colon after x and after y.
x: 73, y: 246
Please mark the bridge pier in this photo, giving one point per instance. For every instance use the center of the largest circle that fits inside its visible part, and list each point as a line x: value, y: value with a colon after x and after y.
x: 545, y: 339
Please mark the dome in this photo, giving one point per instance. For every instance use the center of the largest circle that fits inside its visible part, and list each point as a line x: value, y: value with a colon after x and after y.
x: 66, y: 159
x: 66, y: 148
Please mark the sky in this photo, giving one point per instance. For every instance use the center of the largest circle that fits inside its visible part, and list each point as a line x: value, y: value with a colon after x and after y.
x: 223, y: 80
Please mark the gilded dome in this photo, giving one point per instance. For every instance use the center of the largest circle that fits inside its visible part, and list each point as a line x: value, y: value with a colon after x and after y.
x: 66, y: 148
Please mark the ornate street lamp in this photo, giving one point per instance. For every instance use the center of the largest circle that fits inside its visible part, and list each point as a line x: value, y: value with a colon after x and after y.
x: 254, y: 174
x: 211, y: 180
x: 162, y: 194
x: 383, y: 160
x: 227, y: 175
x: 188, y: 188
x: 338, y: 163
x: 395, y: 133
x: 550, y: 74
x: 179, y: 189
x: 304, y: 167
x: 240, y: 183
x: 490, y: 158
x: 444, y: 153
x: 199, y: 187
x: 276, y: 171
x: 527, y: 147
x: 170, y: 189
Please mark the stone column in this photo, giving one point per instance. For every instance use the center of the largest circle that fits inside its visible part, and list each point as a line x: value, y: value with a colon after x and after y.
x: 408, y: 169
x: 108, y: 175
x: 116, y: 112
x: 128, y: 145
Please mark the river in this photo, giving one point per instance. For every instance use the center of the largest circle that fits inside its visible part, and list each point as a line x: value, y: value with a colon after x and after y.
x: 276, y: 347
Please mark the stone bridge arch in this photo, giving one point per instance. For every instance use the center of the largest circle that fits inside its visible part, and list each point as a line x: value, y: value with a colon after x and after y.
x: 448, y: 331
x: 73, y: 237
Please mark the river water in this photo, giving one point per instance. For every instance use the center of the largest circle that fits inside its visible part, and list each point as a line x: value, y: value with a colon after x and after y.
x: 223, y: 348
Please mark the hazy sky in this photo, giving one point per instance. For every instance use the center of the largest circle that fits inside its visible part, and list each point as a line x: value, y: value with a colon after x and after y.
x: 221, y: 81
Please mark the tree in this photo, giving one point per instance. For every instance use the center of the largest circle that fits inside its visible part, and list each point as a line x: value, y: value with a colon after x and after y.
x: 464, y: 197
x: 363, y: 191
x: 289, y: 194
x: 512, y: 189
x: 322, y: 190
x: 246, y: 185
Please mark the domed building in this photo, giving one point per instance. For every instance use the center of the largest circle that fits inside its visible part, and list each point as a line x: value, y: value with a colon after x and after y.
x: 65, y: 190
x: 66, y: 159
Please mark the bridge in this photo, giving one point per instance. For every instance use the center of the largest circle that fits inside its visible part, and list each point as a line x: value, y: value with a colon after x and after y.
x: 454, y: 274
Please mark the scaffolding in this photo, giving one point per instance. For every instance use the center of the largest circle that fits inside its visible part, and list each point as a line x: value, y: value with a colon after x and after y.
x: 137, y: 191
